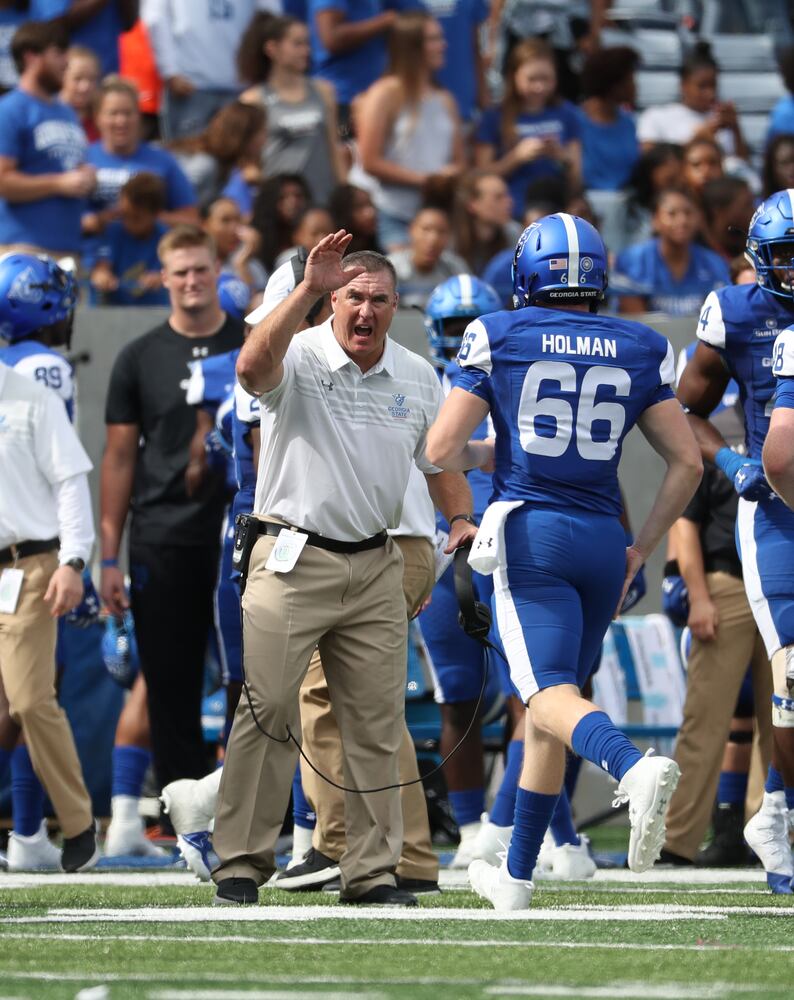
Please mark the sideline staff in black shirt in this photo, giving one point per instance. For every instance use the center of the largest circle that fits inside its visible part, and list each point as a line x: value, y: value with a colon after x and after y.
x: 174, y: 540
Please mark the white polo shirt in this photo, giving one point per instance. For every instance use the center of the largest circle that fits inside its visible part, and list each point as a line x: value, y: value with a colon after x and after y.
x: 39, y: 449
x: 337, y: 445
x: 419, y: 515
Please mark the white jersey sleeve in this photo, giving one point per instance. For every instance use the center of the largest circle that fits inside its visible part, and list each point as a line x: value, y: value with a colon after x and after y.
x: 475, y: 348
x: 783, y: 354
x: 50, y: 370
x: 711, y: 326
x: 246, y: 407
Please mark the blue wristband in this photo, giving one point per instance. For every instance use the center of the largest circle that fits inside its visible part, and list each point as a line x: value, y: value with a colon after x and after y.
x: 109, y: 563
x: 729, y: 461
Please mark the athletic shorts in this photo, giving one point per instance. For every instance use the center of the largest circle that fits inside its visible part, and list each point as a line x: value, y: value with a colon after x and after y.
x: 556, y: 591
x: 765, y: 540
x: 458, y: 661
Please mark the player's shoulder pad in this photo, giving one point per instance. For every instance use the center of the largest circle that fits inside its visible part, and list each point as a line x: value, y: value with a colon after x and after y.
x: 711, y: 325
x: 783, y: 353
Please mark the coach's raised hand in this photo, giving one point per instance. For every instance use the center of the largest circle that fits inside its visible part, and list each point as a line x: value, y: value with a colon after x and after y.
x: 324, y: 271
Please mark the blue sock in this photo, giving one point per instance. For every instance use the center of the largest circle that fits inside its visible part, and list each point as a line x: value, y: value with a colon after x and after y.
x: 774, y: 780
x: 27, y: 795
x: 573, y: 765
x: 561, y: 825
x: 302, y: 813
x: 732, y: 787
x: 5, y: 760
x: 597, y: 739
x: 468, y: 806
x: 533, y: 812
x: 129, y: 770
x: 504, y: 805
x: 790, y: 798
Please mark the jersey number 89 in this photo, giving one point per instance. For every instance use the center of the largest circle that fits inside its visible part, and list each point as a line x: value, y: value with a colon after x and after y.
x: 588, y: 412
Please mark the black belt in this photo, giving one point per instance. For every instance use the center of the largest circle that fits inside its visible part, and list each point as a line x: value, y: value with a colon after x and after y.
x: 723, y: 564
x: 23, y: 549
x: 321, y: 542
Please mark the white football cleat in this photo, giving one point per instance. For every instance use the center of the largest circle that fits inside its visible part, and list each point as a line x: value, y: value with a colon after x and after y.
x: 767, y: 835
x: 573, y: 861
x: 498, y: 886
x: 491, y: 841
x: 126, y: 833
x: 301, y: 845
x: 544, y: 866
x: 648, y: 787
x: 464, y: 855
x: 196, y: 849
x: 34, y: 853
x: 190, y: 803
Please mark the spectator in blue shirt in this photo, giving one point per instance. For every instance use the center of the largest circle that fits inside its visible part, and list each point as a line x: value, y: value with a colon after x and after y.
x: 348, y: 45
x: 43, y: 174
x: 609, y: 138
x: 781, y: 119
x: 96, y: 24
x: 670, y: 273
x: 127, y: 268
x: 533, y: 133
x: 120, y: 154
x: 463, y: 72
x: 779, y: 164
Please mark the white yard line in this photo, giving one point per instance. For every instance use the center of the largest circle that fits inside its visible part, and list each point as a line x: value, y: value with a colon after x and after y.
x: 225, y: 939
x: 643, y: 991
x: 301, y: 914
x: 220, y: 994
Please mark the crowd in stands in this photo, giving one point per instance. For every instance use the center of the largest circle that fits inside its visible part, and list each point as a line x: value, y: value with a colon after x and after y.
x: 274, y: 126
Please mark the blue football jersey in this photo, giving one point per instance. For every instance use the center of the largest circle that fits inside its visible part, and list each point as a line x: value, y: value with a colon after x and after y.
x: 244, y: 416
x: 783, y: 368
x: 742, y: 322
x: 481, y: 483
x: 564, y: 389
x: 211, y: 386
x: 45, y: 365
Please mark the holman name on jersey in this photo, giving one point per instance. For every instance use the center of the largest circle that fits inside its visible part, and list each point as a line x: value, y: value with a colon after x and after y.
x: 563, y: 343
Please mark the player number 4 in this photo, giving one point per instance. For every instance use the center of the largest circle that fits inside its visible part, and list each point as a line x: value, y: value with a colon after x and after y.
x: 588, y: 412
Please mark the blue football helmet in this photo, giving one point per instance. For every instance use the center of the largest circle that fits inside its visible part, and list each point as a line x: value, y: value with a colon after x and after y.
x: 34, y: 293
x: 772, y: 224
x: 234, y: 295
x: 120, y: 649
x: 560, y: 258
x: 461, y: 297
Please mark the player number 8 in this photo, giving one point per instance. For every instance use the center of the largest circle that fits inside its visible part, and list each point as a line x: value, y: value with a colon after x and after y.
x: 532, y: 410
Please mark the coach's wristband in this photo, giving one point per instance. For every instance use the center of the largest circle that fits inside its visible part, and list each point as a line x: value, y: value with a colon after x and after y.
x: 462, y: 517
x: 109, y: 563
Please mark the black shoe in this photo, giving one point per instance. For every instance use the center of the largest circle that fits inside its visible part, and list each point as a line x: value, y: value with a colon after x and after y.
x: 425, y: 886
x: 335, y: 885
x: 382, y: 895
x: 672, y: 860
x: 81, y: 852
x: 727, y: 848
x: 312, y: 874
x: 236, y: 892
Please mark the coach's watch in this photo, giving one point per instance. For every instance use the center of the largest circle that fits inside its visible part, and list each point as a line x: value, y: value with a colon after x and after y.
x: 78, y: 565
x: 462, y: 517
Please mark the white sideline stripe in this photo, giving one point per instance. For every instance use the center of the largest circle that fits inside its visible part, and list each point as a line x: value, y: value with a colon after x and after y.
x: 297, y: 994
x: 394, y: 942
x: 303, y: 914
x: 658, y: 991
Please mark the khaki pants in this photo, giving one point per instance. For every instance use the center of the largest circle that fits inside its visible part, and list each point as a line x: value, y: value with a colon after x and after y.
x: 27, y: 665
x: 352, y: 607
x: 715, y: 675
x: 323, y: 746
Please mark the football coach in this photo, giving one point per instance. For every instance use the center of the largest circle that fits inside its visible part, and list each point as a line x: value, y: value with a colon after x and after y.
x: 345, y: 412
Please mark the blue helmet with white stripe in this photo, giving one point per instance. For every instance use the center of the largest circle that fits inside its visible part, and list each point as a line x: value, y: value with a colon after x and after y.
x: 770, y: 235
x: 460, y: 297
x: 560, y: 258
x: 34, y: 293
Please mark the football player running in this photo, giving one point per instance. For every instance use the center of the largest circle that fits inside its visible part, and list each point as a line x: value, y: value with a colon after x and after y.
x: 563, y: 387
x: 736, y: 331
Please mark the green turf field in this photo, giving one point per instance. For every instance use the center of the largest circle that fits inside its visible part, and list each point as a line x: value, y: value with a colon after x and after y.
x: 619, y: 936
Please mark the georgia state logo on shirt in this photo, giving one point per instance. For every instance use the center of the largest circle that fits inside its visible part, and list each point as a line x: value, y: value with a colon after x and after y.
x: 399, y: 410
